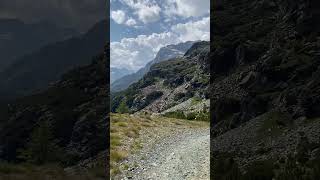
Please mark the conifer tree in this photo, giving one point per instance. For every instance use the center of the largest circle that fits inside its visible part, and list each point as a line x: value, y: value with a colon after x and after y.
x: 122, y: 108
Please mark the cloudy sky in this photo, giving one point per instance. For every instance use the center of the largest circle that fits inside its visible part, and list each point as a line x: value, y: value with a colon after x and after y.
x: 139, y: 28
x: 78, y: 14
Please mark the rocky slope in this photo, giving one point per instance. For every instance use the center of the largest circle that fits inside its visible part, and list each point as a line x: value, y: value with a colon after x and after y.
x: 50, y: 62
x: 75, y: 108
x: 169, y: 83
x: 265, y: 86
x: 164, y: 54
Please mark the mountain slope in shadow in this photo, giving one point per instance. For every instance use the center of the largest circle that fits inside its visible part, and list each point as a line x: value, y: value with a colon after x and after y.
x: 75, y: 108
x: 35, y: 71
x: 265, y: 100
x: 18, y: 38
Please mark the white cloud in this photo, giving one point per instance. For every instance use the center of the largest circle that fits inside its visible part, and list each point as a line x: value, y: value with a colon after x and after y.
x: 118, y: 16
x: 187, y: 8
x: 148, y: 11
x: 131, y: 22
x: 191, y: 31
x: 134, y: 53
x: 149, y: 14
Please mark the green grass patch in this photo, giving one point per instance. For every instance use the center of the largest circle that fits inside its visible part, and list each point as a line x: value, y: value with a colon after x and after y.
x: 195, y: 100
x: 194, y: 116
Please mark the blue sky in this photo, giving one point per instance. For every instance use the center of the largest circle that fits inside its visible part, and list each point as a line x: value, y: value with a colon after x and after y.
x: 139, y: 28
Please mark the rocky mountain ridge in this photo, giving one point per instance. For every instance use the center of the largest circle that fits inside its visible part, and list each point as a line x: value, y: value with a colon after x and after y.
x: 265, y: 89
x: 164, y: 54
x: 169, y: 83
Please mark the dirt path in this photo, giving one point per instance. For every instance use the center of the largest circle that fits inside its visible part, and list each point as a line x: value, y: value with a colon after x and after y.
x: 182, y: 153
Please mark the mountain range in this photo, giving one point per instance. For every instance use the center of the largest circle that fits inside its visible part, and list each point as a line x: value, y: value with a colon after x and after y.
x: 18, y: 38
x: 163, y: 54
x: 51, y: 61
x: 117, y: 73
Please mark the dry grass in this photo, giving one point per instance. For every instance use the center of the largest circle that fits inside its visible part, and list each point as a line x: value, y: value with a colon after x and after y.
x: 114, y: 170
x: 144, y: 124
x: 131, y: 134
x: 125, y: 130
x: 114, y: 140
x: 136, y: 146
x: 124, y: 138
x: 124, y: 133
x: 117, y: 156
x: 178, y: 123
x: 122, y: 124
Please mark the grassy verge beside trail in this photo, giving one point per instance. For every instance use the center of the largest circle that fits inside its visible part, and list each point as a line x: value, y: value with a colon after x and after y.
x: 126, y: 131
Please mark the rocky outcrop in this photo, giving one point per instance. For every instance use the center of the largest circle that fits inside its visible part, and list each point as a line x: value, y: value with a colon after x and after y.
x: 164, y: 54
x: 170, y: 82
x: 265, y: 58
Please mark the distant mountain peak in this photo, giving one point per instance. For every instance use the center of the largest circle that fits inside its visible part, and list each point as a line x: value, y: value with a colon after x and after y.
x: 164, y: 54
x: 117, y: 73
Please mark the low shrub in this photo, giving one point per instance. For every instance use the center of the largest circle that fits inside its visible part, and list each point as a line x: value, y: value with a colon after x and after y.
x: 203, y: 116
x: 191, y: 116
x: 175, y: 114
x: 197, y: 116
x: 153, y: 96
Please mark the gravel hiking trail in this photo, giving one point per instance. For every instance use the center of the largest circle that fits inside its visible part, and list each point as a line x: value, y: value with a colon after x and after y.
x: 181, y: 154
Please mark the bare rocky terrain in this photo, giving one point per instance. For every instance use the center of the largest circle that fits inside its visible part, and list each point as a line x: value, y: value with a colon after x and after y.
x: 264, y: 89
